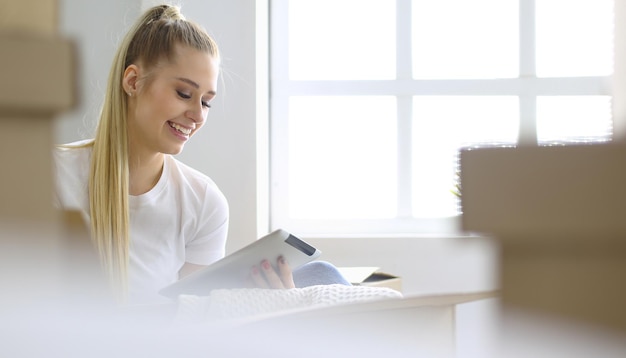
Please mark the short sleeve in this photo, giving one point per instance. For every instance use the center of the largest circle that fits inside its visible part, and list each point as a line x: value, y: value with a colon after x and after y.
x: 209, y: 243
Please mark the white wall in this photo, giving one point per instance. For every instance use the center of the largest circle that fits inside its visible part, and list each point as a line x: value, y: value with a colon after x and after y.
x: 226, y: 149
x: 619, y: 73
x: 96, y: 27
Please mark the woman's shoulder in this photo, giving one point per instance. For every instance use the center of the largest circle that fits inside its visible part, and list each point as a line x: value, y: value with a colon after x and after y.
x: 83, y: 143
x: 71, y: 169
x: 189, y: 176
x: 72, y: 154
x: 81, y: 147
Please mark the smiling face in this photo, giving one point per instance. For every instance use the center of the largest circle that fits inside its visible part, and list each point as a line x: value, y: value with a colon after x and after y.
x: 170, y: 102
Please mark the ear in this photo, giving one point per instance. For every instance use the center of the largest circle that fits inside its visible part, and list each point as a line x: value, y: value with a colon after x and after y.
x: 129, y: 80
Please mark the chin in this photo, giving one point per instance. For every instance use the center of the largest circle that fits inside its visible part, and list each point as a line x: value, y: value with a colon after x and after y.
x: 173, y: 150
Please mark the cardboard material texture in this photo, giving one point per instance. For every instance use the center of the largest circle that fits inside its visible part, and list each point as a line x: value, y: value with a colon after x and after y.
x: 558, y: 213
x: 371, y: 276
x: 31, y: 16
x: 37, y: 83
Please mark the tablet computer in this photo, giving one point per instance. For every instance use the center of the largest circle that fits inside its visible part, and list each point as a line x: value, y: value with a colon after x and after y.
x: 233, y: 271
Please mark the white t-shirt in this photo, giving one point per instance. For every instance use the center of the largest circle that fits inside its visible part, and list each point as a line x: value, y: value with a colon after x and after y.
x: 184, y: 218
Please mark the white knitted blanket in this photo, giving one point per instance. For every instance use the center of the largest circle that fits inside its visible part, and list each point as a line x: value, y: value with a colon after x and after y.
x: 247, y: 302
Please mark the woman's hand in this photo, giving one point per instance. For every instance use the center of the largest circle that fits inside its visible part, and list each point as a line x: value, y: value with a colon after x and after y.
x: 264, y: 275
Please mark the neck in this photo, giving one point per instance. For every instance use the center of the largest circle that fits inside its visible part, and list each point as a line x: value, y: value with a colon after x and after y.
x: 144, y: 172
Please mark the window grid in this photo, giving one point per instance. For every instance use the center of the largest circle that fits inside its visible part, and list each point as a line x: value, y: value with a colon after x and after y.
x: 527, y: 87
x: 404, y: 72
x: 527, y: 100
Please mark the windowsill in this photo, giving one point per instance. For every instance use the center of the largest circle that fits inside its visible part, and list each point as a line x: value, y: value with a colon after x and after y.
x: 392, y: 236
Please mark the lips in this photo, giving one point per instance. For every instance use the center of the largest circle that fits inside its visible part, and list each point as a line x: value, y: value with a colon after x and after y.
x: 179, y: 128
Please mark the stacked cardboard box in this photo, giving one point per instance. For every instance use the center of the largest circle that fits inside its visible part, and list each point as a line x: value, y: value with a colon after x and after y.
x: 559, y: 214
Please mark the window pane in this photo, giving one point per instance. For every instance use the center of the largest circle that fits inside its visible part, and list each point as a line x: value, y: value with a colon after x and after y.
x: 342, y: 40
x: 573, y: 119
x: 342, y: 157
x: 442, y: 125
x: 465, y: 39
x: 574, y: 37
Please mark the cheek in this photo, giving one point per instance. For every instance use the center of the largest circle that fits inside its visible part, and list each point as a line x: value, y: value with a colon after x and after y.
x: 155, y: 109
x: 146, y: 114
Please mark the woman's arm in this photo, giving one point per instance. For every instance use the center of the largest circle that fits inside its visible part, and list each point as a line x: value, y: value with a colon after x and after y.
x: 189, y: 268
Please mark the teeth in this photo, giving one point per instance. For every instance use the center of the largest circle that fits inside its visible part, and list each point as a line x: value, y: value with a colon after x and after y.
x: 183, y: 130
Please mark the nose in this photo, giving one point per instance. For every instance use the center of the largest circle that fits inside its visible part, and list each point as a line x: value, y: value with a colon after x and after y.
x: 196, y: 113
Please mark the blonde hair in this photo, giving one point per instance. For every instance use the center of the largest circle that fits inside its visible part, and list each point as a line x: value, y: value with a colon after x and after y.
x: 152, y: 38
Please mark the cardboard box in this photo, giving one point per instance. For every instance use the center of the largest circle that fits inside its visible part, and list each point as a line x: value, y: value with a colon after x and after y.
x: 37, y: 83
x: 30, y: 16
x: 558, y: 214
x: 371, y: 276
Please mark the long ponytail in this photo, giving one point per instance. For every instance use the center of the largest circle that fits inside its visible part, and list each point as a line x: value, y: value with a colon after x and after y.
x: 151, y: 39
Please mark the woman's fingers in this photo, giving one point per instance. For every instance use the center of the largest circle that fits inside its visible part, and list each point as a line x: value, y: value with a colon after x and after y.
x: 285, y: 273
x: 266, y: 276
x: 257, y: 278
x: 273, y: 281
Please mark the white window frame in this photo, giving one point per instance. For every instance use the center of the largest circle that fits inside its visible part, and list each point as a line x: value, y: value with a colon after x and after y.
x: 527, y: 87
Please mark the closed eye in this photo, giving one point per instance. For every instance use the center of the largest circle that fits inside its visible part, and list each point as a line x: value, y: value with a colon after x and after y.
x: 183, y: 95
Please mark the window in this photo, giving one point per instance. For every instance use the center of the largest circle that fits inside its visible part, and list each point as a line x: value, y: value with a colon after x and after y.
x: 371, y: 101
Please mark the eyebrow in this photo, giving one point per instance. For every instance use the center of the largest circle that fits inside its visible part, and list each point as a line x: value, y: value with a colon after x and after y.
x: 194, y: 84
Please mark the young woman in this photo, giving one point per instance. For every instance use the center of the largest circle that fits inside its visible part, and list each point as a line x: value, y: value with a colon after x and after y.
x: 153, y: 219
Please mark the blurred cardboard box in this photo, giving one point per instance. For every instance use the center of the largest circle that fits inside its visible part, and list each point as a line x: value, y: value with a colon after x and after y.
x: 371, y: 276
x: 558, y: 213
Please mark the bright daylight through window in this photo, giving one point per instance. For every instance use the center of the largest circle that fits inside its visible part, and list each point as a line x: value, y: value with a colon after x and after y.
x: 371, y: 101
